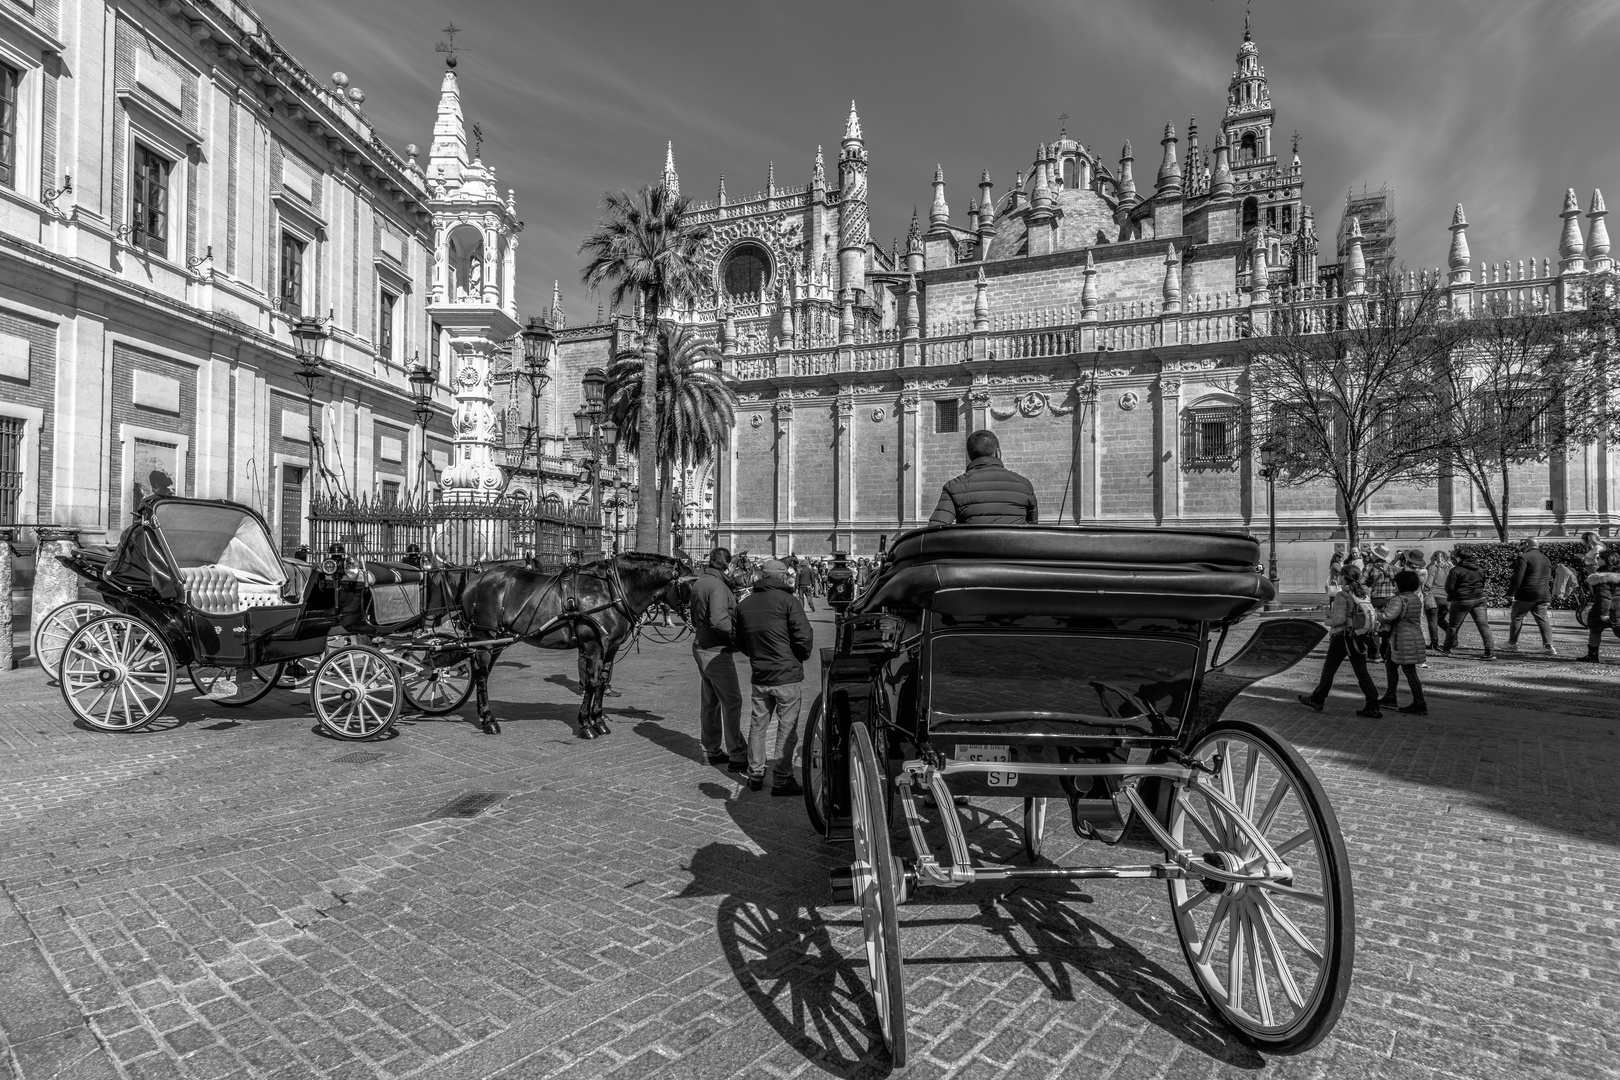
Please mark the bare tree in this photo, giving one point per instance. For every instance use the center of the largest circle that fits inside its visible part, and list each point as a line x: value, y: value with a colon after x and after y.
x: 1343, y: 390
x: 1511, y: 393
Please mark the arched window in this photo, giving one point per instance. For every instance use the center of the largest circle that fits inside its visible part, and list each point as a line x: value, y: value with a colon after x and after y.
x: 1288, y: 219
x: 1251, y: 213
x: 1070, y: 175
x: 1247, y: 148
x: 747, y: 270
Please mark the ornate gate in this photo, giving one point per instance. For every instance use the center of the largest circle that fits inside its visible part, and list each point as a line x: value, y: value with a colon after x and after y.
x: 456, y: 533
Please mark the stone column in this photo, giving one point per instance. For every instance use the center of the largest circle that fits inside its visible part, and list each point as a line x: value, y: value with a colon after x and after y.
x: 784, y: 476
x: 1084, y: 457
x: 7, y: 662
x: 910, y: 447
x: 1168, y: 459
x: 978, y: 408
x: 844, y: 466
x: 472, y: 475
x: 54, y: 584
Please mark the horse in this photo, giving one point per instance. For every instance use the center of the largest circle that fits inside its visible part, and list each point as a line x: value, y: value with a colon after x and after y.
x: 593, y: 608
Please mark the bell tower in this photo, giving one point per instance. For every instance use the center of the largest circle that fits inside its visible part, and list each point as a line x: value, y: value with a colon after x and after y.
x: 474, y: 298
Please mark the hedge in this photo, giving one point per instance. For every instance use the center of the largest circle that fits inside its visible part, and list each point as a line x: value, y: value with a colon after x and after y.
x: 1497, y: 562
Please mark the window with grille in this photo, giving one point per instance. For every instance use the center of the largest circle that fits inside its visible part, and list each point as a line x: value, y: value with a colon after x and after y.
x: 149, y: 207
x: 385, y: 326
x: 947, y: 416
x: 9, y: 78
x: 11, y: 465
x: 1210, y: 435
x: 292, y: 275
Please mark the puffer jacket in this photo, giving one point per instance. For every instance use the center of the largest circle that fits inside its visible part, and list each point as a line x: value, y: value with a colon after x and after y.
x: 1465, y: 584
x: 989, y: 493
x: 1532, y: 578
x: 1605, y: 587
x: 713, y: 608
x: 773, y: 633
x: 1403, y: 613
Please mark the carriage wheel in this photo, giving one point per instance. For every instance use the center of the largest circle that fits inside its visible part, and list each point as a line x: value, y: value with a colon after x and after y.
x: 356, y: 693
x: 226, y: 686
x: 297, y: 674
x: 1034, y: 826
x: 816, y: 781
x: 876, y: 878
x: 53, y: 631
x: 1274, y: 959
x: 434, y: 691
x: 117, y: 673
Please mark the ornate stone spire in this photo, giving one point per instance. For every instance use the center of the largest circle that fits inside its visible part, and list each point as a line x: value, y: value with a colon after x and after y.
x: 1597, y: 236
x: 912, y: 324
x: 1127, y: 178
x: 1169, y: 168
x: 852, y: 126
x: 939, y: 215
x: 1571, y: 251
x: 1040, y: 203
x: 447, y: 157
x: 1356, y: 263
x: 720, y: 199
x: 1459, y: 258
x: 1172, y: 280
x: 981, y: 302
x: 987, y: 213
x: 1088, y: 291
x: 818, y: 175
x: 670, y: 179
x: 770, y: 178
x: 914, y: 236
x: 556, y: 303
x: 1220, y: 185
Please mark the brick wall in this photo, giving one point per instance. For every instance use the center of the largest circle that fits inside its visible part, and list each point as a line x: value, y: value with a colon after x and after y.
x: 127, y: 361
x: 1127, y: 442
x: 876, y: 460
x: 1039, y: 447
x: 39, y: 392
x: 755, y: 463
x: 815, y: 460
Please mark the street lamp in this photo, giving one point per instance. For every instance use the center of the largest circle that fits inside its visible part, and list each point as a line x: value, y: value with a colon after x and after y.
x: 422, y: 379
x: 539, y: 342
x: 588, y: 423
x: 309, y: 338
x: 1270, y: 458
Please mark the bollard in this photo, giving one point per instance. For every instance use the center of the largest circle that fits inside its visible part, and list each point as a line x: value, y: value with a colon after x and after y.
x: 7, y: 660
x: 54, y: 584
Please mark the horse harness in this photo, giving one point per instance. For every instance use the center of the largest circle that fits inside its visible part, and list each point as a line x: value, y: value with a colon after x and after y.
x: 570, y: 612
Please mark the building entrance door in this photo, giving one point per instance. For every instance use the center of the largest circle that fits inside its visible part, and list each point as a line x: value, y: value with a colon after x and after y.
x: 292, y: 508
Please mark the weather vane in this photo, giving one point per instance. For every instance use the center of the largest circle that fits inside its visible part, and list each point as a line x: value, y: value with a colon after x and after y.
x: 1296, y: 141
x: 1064, y: 122
x: 449, y: 47
x: 478, y: 139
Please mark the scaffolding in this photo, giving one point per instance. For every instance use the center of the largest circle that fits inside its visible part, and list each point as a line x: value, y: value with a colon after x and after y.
x: 1375, y: 207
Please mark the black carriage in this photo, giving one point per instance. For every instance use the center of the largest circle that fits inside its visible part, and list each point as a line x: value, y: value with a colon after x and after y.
x: 199, y: 584
x: 1081, y: 666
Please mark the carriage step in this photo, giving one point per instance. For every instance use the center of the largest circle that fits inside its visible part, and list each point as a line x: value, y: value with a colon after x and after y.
x: 843, y: 885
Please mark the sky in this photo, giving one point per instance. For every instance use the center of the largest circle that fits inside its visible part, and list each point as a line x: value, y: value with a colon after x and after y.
x: 1497, y: 104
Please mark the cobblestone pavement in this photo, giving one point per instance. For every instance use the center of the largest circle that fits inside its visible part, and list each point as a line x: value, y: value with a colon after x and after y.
x: 234, y: 895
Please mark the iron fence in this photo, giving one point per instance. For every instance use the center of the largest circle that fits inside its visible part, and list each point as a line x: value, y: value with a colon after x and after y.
x: 456, y: 533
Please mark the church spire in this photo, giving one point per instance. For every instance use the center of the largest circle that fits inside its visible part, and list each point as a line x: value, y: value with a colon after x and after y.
x: 670, y: 179
x: 939, y: 214
x: 1169, y: 168
x: 448, y: 154
x: 1459, y: 260
x: 1597, y: 236
x: 852, y: 126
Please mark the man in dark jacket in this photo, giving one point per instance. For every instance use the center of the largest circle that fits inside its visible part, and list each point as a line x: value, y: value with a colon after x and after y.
x: 776, y: 637
x: 713, y: 610
x: 1532, y: 592
x: 1465, y: 597
x: 989, y: 493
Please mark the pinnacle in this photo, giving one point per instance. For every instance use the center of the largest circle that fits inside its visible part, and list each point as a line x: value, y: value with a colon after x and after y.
x: 1125, y: 153
x: 1169, y: 133
x: 984, y: 179
x: 1457, y: 217
x: 1355, y: 223
x: 1572, y: 205
x: 1597, y: 202
x: 939, y: 174
x: 852, y: 127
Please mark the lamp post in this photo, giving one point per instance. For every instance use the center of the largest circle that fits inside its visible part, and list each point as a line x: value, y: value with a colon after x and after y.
x: 309, y: 338
x: 422, y: 379
x: 538, y: 344
x: 588, y: 424
x: 1269, y: 459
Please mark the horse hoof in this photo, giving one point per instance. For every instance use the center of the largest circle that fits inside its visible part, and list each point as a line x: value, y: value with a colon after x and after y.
x: 603, y: 729
x: 491, y: 727
x: 587, y: 732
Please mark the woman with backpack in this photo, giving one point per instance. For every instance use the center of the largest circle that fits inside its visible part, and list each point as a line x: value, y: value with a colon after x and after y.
x: 1403, y: 614
x: 1353, y: 635
x: 1604, y: 586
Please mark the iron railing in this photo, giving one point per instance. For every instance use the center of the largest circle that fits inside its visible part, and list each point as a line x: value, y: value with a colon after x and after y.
x: 11, y: 467
x: 456, y: 533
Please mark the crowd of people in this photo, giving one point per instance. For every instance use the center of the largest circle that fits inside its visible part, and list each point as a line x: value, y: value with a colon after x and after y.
x: 1381, y: 602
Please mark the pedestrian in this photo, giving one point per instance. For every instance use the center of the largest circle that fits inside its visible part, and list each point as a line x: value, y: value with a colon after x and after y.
x: 1592, y: 553
x: 1403, y: 614
x: 713, y: 611
x: 1531, y: 592
x: 1380, y: 578
x: 776, y: 637
x: 1352, y: 633
x: 1465, y: 597
x: 1335, y: 569
x: 1434, y: 596
x: 804, y: 578
x: 988, y: 493
x: 1604, y: 585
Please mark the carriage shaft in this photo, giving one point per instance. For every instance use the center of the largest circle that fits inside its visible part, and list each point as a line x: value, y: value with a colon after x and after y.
x: 1077, y: 768
x: 1006, y: 873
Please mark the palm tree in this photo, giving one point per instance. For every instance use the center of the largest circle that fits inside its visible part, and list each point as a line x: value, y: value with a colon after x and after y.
x: 647, y: 247
x: 695, y: 405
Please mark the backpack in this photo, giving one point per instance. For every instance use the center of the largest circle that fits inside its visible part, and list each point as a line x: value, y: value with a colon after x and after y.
x: 1363, y: 616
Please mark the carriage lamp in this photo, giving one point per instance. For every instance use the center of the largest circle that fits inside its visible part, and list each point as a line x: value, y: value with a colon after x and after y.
x: 334, y: 559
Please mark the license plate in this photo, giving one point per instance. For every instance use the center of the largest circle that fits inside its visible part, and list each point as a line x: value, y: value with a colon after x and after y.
x: 991, y: 753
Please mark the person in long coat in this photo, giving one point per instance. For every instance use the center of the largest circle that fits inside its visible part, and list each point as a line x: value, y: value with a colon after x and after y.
x: 1605, y: 610
x: 1434, y: 596
x: 1403, y: 614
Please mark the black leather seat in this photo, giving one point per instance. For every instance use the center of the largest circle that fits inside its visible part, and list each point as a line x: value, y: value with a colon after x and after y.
x: 392, y: 573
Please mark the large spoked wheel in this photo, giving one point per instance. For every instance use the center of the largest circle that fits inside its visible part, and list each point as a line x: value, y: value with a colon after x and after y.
x: 53, y: 631
x: 433, y: 690
x: 876, y: 875
x: 117, y: 673
x: 816, y: 782
x: 1274, y: 957
x: 234, y: 687
x: 1034, y: 826
x: 356, y: 693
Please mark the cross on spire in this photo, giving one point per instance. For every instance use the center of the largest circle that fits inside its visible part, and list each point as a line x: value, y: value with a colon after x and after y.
x: 1063, y: 122
x: 449, y: 47
x: 478, y: 140
x: 1296, y: 141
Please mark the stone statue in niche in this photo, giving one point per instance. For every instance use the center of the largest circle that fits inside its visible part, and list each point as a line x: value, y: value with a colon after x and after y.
x: 475, y: 277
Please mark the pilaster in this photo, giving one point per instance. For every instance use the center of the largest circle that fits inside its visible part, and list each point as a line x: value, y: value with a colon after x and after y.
x: 784, y: 476
x: 844, y: 465
x: 1168, y: 457
x: 911, y: 449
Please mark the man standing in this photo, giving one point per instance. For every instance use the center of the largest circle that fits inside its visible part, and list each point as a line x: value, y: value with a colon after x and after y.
x: 713, y: 611
x: 1465, y: 598
x: 988, y: 493
x: 776, y: 637
x: 1532, y: 592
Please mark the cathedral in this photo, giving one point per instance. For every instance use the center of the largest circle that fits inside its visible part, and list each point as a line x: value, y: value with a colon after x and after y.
x: 1088, y: 314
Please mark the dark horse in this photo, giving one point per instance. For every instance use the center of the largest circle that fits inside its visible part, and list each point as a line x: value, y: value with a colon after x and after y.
x: 593, y: 608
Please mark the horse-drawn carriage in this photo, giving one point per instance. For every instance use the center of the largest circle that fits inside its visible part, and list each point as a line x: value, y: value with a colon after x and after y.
x: 1083, y: 666
x: 199, y: 584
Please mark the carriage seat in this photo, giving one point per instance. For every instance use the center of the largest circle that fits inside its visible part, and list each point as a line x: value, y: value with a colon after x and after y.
x: 216, y: 590
x: 395, y: 573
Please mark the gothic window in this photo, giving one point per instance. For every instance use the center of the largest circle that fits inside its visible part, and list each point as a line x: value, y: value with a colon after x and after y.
x: 1248, y: 150
x: 947, y: 416
x: 1288, y: 219
x: 1251, y: 213
x: 149, y: 202
x: 747, y: 270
